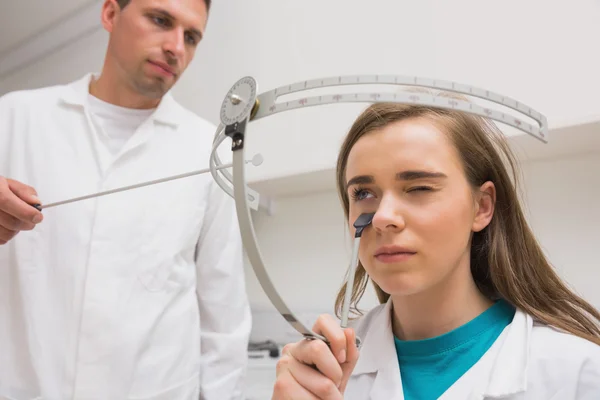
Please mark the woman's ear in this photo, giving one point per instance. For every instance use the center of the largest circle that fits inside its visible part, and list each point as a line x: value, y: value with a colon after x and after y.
x: 485, y: 201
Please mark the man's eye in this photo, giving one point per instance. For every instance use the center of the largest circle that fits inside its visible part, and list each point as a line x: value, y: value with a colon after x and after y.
x: 191, y: 39
x: 159, y: 21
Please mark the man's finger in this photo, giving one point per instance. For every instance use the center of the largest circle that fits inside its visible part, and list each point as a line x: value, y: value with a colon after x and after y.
x: 13, y: 224
x: 9, y: 222
x: 15, y: 206
x: 23, y: 191
x: 6, y: 235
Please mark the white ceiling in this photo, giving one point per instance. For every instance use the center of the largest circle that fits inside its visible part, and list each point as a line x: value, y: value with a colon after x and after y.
x: 21, y: 19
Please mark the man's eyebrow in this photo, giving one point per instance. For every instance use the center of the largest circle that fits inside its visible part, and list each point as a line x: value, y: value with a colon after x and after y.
x: 169, y: 16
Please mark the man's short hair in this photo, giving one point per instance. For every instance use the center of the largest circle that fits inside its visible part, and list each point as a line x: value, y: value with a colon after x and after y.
x: 123, y: 3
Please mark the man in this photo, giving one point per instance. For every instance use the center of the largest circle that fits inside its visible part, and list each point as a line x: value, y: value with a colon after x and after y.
x: 134, y: 295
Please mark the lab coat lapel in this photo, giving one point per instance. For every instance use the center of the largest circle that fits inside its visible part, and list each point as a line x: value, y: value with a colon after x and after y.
x: 168, y: 113
x: 75, y: 96
x: 378, y: 356
x: 509, y: 373
x: 502, y: 377
x: 506, y: 377
x: 387, y: 384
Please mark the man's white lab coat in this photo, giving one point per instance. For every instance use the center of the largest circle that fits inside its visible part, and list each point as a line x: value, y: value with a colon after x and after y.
x: 529, y: 361
x: 134, y: 295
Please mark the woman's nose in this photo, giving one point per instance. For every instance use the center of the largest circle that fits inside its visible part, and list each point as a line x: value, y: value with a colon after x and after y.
x: 388, y: 215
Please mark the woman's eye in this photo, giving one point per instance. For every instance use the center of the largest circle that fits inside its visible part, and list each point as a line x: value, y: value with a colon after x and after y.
x: 359, y: 194
x: 420, y: 189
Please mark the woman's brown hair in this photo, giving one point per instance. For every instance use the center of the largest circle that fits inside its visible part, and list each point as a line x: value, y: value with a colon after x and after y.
x: 506, y: 260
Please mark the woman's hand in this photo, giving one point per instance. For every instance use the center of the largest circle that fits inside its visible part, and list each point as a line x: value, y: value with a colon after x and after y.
x: 310, y: 370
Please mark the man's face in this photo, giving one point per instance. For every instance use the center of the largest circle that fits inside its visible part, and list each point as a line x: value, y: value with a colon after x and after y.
x: 153, y: 41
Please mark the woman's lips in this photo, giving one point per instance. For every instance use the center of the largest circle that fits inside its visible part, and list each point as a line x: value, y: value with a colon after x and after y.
x: 393, y: 254
x: 388, y: 258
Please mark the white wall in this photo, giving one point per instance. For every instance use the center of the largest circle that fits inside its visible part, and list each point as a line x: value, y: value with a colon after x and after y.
x: 539, y: 52
x: 522, y: 49
x: 61, y: 67
x: 562, y: 200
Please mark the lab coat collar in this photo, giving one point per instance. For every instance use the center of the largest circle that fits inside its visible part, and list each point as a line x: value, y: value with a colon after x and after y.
x: 378, y: 355
x: 167, y: 112
x: 378, y: 348
x: 509, y: 372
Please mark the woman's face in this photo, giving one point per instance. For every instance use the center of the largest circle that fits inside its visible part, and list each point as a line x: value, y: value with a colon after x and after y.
x: 411, y: 176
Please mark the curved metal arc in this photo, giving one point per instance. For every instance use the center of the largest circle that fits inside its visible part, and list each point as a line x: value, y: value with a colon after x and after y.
x: 406, y: 80
x: 222, y: 175
x: 414, y: 98
x: 215, y: 162
x: 269, y: 106
x: 219, y: 138
x: 253, y: 253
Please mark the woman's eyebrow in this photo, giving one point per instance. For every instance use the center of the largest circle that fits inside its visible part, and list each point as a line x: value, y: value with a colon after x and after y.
x: 414, y: 175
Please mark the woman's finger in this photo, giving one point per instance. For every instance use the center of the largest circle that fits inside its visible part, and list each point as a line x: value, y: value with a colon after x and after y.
x: 327, y: 326
x: 313, y: 365
x: 287, y: 388
x: 316, y: 353
x: 351, y: 359
x: 308, y: 378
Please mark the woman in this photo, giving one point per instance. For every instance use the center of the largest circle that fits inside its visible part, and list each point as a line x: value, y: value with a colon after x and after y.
x: 470, y: 306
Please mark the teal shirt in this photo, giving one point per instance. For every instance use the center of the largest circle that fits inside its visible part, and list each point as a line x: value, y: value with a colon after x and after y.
x: 429, y: 367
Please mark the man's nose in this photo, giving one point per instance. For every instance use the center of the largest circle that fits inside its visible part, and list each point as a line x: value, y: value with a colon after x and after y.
x: 175, y: 43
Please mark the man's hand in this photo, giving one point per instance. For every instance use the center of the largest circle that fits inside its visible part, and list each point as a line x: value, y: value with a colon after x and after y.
x: 16, y: 209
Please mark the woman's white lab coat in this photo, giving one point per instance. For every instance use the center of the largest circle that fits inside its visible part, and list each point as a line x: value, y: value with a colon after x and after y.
x: 529, y: 361
x: 136, y: 295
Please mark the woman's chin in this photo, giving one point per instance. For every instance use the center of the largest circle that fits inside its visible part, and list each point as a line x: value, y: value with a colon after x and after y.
x: 402, y: 284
